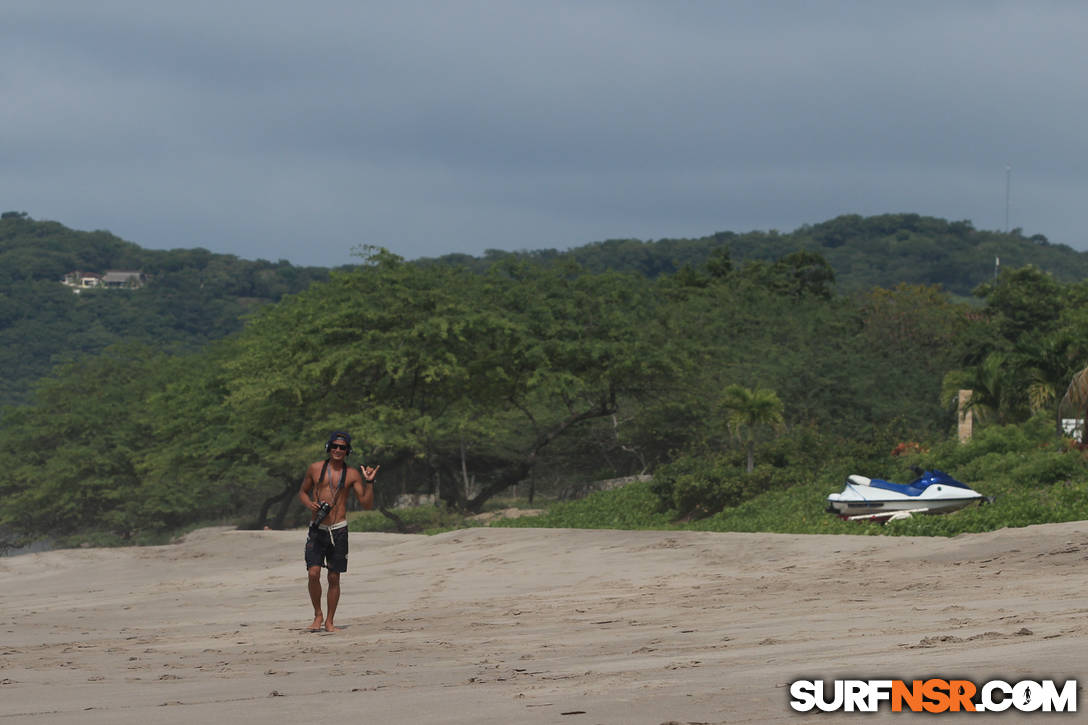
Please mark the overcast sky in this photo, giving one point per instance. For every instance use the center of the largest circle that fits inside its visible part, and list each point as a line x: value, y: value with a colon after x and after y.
x: 287, y: 130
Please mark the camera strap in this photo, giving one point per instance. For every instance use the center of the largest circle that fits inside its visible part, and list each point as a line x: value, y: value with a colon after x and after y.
x: 343, y: 475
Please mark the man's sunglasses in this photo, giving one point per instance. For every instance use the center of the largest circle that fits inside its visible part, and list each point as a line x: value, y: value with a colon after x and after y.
x: 337, y: 447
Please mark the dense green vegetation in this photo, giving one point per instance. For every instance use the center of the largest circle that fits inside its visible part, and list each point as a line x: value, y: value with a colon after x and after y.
x: 1032, y: 478
x: 192, y: 297
x: 865, y: 252
x: 748, y: 383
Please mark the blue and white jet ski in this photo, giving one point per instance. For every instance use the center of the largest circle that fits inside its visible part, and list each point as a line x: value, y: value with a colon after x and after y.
x: 933, y: 492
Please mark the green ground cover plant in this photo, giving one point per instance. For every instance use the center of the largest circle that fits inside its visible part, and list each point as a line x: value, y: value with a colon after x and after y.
x: 632, y: 507
x: 1033, y: 478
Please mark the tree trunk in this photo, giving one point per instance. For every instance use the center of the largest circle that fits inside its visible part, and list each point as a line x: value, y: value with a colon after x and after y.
x: 379, y: 503
x: 285, y: 505
x: 402, y: 528
x: 283, y: 496
x: 453, y: 492
x: 520, y: 471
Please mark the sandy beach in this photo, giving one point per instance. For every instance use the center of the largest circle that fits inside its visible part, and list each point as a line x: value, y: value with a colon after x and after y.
x: 532, y: 626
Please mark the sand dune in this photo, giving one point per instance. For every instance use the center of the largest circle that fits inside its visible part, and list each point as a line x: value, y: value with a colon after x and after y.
x: 530, y: 626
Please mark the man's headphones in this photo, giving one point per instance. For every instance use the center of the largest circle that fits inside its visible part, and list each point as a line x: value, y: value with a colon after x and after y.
x: 334, y: 436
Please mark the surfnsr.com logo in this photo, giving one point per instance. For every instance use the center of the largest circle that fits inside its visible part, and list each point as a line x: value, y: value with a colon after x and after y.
x: 933, y: 695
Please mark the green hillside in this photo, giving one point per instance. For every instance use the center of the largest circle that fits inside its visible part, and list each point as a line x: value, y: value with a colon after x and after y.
x: 194, y: 296
x: 191, y: 297
x: 865, y: 252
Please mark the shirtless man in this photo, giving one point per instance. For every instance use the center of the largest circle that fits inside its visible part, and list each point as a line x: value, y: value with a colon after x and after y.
x: 327, y: 544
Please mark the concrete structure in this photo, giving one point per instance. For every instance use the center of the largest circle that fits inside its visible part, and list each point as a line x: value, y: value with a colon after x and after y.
x: 965, y: 416
x: 112, y: 279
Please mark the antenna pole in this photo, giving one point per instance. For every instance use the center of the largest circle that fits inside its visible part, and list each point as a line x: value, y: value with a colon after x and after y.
x: 1008, y: 185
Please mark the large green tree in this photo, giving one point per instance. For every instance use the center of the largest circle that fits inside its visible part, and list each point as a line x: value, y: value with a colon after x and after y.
x: 71, y: 462
x: 459, y: 378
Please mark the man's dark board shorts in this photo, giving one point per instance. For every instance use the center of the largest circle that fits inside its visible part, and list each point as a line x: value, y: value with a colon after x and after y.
x: 329, y: 548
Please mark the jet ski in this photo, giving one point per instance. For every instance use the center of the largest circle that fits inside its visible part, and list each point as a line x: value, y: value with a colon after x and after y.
x: 933, y: 492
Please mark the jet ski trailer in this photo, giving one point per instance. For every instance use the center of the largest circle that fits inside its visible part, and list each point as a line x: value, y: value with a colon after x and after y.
x: 933, y: 492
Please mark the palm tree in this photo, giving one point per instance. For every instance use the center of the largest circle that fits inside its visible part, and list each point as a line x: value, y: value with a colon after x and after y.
x: 748, y: 411
x: 989, y: 383
x: 1046, y: 365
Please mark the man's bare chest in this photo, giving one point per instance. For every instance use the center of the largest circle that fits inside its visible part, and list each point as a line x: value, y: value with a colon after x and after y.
x: 329, y: 484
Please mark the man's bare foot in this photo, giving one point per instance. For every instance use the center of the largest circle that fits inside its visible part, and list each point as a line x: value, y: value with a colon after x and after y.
x: 319, y: 622
x: 329, y: 627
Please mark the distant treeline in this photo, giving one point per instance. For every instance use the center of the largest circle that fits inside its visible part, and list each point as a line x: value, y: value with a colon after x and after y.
x: 864, y: 252
x: 462, y: 379
x: 194, y: 296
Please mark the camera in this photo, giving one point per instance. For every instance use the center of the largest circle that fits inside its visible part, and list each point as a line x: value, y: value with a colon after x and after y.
x: 322, y: 511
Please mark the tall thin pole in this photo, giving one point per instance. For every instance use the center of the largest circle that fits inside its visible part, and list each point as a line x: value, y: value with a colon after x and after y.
x: 1008, y: 186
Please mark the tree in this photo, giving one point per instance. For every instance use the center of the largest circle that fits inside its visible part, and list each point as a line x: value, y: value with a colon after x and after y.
x: 804, y: 273
x: 71, y: 461
x: 1045, y: 365
x: 750, y: 411
x: 1023, y: 301
x: 993, y: 386
x: 461, y: 375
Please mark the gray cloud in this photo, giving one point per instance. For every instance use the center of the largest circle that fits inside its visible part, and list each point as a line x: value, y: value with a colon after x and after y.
x: 277, y: 130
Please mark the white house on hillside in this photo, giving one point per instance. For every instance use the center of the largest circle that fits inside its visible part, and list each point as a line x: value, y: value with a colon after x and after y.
x: 112, y: 279
x: 82, y: 280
